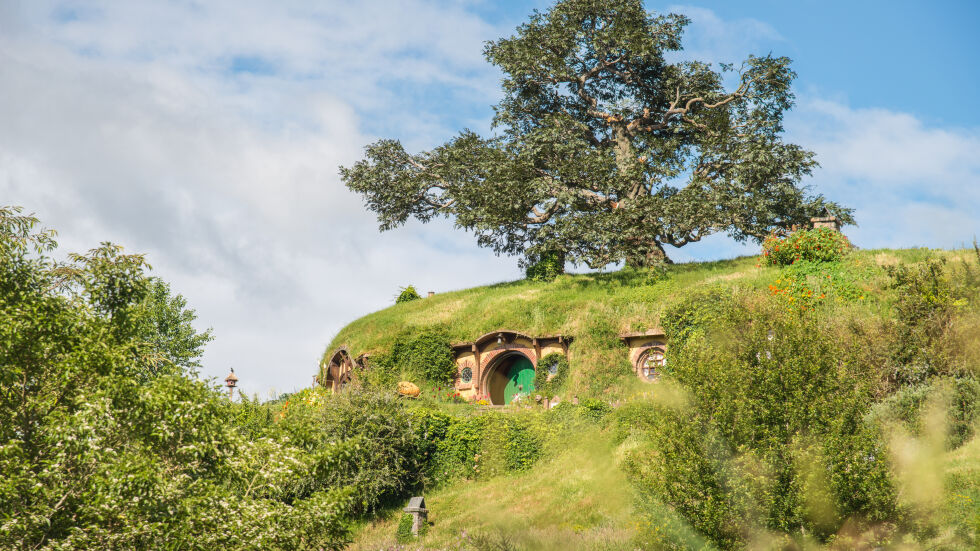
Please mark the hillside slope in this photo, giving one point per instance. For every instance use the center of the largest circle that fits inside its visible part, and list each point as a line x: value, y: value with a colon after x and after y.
x: 819, y: 403
x: 595, y: 308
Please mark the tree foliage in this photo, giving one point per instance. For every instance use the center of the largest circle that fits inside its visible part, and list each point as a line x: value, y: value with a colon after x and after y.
x: 605, y: 149
x: 106, y: 442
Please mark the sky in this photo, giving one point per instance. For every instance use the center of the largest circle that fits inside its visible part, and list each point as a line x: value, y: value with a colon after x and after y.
x: 208, y: 135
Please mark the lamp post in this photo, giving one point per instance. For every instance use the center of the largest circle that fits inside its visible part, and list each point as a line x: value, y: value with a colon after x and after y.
x: 231, y: 381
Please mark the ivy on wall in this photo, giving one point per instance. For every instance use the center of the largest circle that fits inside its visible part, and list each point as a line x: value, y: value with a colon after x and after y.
x: 552, y: 363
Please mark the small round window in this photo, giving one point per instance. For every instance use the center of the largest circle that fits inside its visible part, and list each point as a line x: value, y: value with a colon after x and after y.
x: 651, y: 363
x: 553, y: 368
x: 466, y: 375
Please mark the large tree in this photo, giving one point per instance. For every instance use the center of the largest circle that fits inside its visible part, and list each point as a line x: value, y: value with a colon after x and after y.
x: 605, y: 150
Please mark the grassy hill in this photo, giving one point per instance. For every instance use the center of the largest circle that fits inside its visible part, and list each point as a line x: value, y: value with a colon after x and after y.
x: 649, y: 475
x: 594, y: 308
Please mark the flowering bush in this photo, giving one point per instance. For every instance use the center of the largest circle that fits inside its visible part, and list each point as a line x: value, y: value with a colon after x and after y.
x: 446, y: 394
x: 818, y: 244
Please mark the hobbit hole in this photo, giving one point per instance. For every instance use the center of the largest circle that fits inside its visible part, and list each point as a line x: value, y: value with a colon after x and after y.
x: 647, y: 351
x: 500, y: 365
x: 509, y: 376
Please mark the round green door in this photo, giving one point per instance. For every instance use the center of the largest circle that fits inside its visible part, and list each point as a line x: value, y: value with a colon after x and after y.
x: 520, y: 379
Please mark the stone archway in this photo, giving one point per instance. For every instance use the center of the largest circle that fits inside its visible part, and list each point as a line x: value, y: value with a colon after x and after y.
x: 507, y: 375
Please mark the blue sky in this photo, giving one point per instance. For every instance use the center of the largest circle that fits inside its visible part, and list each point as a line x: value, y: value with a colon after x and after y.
x: 208, y: 136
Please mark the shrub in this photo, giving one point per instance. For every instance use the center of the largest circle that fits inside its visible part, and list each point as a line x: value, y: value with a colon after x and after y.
x: 523, y: 446
x: 960, y: 400
x: 407, y: 294
x: 818, y: 244
x: 595, y: 409
x: 546, y: 268
x: 404, y: 532
x: 424, y: 354
x: 387, y: 459
x: 695, y: 313
x: 924, y: 309
x: 544, y: 386
x: 772, y: 434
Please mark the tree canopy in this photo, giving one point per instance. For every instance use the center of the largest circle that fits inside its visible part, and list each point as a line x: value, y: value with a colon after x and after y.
x: 606, y: 150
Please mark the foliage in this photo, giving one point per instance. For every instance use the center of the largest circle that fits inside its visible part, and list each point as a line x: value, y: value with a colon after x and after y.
x: 407, y: 294
x: 773, y: 406
x: 595, y: 409
x: 423, y: 354
x: 815, y: 245
x: 523, y: 446
x: 105, y: 445
x: 167, y: 325
x: 404, y: 533
x: 806, y: 284
x: 384, y: 440
x: 550, y: 387
x: 695, y: 313
x: 924, y: 308
x: 607, y: 150
x: 546, y: 268
x: 958, y: 398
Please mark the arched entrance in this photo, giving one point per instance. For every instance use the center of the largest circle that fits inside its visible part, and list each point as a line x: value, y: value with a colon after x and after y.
x: 337, y: 372
x: 510, y: 375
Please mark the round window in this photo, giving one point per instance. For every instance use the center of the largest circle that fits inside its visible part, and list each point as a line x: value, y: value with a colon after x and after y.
x: 651, y: 363
x: 553, y: 368
x: 466, y: 375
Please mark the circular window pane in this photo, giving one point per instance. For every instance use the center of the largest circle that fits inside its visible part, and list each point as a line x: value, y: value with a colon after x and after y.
x: 466, y: 375
x: 553, y: 368
x: 651, y: 363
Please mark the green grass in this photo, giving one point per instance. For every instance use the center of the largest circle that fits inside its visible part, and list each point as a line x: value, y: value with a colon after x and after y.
x: 594, y: 308
x: 577, y: 498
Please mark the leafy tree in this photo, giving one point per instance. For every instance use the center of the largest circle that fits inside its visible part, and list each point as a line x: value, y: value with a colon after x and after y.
x: 98, y: 453
x: 606, y: 150
x: 138, y: 308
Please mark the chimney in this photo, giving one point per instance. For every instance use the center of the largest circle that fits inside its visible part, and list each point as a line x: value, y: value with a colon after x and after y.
x: 432, y: 293
x: 825, y: 222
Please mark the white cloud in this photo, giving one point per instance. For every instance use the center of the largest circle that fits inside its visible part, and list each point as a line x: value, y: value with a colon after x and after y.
x: 911, y: 184
x: 125, y: 124
x: 126, y: 121
x: 711, y: 39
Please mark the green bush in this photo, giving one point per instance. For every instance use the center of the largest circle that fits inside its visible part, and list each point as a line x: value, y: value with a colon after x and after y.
x: 404, y: 532
x: 772, y: 436
x: 818, y: 244
x: 695, y: 313
x: 420, y: 355
x: 544, y: 386
x: 595, y: 409
x: 104, y: 445
x: 523, y: 446
x: 959, y: 398
x: 390, y: 460
x: 547, y: 267
x: 407, y: 294
x: 924, y: 310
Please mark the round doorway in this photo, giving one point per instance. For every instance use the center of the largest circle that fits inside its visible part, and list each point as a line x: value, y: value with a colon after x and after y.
x: 510, y: 377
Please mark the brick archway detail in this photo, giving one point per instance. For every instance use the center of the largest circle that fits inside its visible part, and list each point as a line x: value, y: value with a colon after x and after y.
x: 488, y: 360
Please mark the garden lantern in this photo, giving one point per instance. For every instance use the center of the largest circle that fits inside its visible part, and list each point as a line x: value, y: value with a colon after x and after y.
x: 231, y: 381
